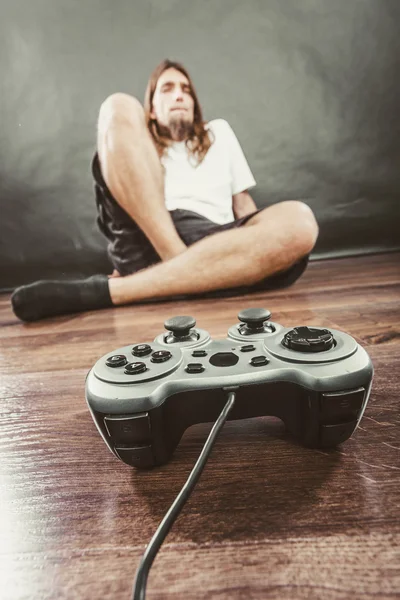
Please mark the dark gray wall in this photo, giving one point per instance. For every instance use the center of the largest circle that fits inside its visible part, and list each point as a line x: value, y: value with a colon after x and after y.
x: 311, y: 88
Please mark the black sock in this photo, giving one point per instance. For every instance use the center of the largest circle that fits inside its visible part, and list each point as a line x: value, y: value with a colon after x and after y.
x: 49, y: 298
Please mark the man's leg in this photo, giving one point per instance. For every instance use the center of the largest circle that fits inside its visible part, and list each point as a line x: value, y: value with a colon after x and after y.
x: 132, y: 171
x: 270, y: 242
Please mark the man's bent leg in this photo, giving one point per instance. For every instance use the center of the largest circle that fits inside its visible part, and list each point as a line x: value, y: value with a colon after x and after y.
x: 132, y: 171
x: 266, y: 245
x: 270, y: 242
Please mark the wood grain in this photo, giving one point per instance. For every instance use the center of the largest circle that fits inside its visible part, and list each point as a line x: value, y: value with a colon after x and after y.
x: 268, y: 518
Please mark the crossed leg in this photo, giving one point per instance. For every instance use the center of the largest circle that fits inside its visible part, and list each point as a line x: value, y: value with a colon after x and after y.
x: 269, y: 242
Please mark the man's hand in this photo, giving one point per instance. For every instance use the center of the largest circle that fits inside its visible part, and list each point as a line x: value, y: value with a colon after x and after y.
x: 243, y: 204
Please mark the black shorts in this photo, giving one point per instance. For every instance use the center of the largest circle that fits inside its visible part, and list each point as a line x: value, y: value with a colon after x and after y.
x: 130, y: 250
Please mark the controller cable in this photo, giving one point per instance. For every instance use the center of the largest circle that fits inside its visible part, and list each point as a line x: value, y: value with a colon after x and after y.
x: 139, y: 589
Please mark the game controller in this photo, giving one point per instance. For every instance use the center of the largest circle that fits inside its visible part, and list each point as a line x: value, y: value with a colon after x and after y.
x: 143, y: 396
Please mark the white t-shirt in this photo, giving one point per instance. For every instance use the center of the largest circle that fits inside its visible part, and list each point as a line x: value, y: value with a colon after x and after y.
x: 207, y: 188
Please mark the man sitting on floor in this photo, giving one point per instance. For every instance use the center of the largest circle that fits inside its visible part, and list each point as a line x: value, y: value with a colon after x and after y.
x: 172, y: 199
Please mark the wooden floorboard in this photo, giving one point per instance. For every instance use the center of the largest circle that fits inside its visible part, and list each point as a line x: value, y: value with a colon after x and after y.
x: 268, y: 518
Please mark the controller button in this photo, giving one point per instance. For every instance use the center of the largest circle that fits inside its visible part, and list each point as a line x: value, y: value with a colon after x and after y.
x: 194, y: 368
x: 331, y: 435
x: 139, y: 456
x: 259, y: 361
x: 141, y: 350
x: 248, y: 348
x: 160, y: 356
x: 128, y: 430
x: 337, y: 405
x: 135, y: 368
x: 224, y: 359
x: 118, y: 360
x: 199, y: 353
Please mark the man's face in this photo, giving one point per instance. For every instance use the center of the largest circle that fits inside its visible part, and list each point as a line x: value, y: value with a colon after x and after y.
x: 173, y: 105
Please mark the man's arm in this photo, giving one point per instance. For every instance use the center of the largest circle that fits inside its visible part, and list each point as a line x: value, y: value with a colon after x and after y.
x: 243, y: 204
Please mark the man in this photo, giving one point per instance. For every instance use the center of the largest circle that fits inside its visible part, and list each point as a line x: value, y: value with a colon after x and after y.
x: 173, y: 201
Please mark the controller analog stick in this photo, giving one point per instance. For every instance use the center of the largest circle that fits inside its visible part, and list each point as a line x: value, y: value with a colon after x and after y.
x: 254, y: 321
x: 180, y: 329
x: 308, y: 339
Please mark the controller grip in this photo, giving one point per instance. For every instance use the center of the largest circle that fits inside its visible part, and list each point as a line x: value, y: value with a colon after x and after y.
x: 315, y: 419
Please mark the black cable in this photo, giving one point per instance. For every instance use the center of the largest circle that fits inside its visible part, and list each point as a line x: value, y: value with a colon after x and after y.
x: 139, y: 589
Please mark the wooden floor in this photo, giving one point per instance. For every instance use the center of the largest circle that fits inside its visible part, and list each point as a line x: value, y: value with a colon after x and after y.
x: 268, y: 519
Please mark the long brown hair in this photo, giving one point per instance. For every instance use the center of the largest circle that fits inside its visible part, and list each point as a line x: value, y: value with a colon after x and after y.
x: 200, y: 141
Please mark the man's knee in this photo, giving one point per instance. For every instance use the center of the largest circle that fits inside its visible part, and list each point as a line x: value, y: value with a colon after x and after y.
x: 119, y: 110
x: 295, y: 221
x: 305, y: 224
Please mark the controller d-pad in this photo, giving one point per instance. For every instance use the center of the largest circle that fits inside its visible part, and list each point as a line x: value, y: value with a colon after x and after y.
x: 259, y: 361
x: 141, y: 350
x: 160, y: 356
x: 224, y: 359
x: 118, y: 360
x: 135, y: 368
x: 308, y: 339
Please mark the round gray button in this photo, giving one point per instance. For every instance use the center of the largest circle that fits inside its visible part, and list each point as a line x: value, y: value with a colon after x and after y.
x: 160, y: 356
x: 141, y: 350
x: 135, y: 368
x: 118, y: 360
